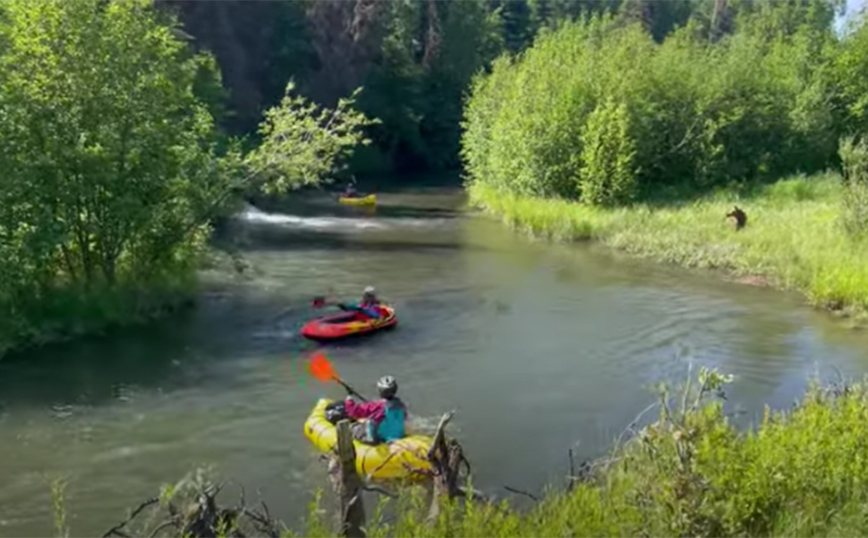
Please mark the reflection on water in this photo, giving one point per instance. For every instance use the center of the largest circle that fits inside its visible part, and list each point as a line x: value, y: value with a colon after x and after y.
x: 538, y: 347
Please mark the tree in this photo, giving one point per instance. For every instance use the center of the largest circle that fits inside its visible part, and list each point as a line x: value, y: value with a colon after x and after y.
x: 112, y: 166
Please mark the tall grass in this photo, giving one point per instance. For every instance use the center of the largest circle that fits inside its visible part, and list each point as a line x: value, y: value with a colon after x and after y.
x: 795, y: 237
x: 691, y: 473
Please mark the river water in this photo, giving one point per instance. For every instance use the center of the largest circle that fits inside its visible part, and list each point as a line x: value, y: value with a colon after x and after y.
x: 539, y: 348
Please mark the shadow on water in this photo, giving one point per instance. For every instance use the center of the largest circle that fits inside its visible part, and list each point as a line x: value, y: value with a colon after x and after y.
x: 289, y: 241
x: 181, y: 351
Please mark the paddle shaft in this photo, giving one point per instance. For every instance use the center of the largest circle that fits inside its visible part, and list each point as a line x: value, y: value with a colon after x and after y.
x: 349, y: 389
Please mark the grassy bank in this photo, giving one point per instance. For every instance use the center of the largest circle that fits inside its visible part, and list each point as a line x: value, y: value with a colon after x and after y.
x: 689, y: 473
x: 793, y: 238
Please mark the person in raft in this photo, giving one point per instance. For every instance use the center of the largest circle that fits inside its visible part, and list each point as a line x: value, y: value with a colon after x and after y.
x: 351, y: 192
x: 380, y: 421
x: 369, y: 305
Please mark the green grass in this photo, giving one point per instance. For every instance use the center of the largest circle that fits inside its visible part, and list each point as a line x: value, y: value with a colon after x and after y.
x: 691, y: 473
x: 794, y: 238
x: 69, y: 312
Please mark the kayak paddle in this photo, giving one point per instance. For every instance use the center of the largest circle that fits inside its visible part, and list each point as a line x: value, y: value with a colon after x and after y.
x: 322, y: 369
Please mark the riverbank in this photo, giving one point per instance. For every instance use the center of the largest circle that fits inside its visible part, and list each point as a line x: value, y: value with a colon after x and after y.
x: 693, y: 474
x: 690, y: 473
x: 793, y: 239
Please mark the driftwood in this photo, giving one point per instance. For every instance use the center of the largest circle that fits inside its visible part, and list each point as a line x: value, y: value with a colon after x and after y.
x: 447, y: 458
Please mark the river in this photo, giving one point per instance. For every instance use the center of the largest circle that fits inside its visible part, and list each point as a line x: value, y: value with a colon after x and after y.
x: 538, y: 347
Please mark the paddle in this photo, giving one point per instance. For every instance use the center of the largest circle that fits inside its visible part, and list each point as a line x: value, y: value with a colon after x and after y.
x: 320, y: 301
x: 322, y: 369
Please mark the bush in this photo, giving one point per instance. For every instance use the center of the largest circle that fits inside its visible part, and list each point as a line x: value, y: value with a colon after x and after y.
x: 854, y: 210
x: 607, y: 174
x: 596, y: 109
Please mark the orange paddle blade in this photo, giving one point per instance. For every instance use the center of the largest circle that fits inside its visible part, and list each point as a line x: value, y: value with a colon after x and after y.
x: 321, y: 368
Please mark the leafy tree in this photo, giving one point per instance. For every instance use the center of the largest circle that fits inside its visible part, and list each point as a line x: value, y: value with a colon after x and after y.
x: 597, y: 107
x: 112, y: 165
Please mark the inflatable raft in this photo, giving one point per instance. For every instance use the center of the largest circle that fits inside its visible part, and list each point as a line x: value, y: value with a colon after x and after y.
x: 388, y: 461
x: 370, y: 199
x: 347, y: 324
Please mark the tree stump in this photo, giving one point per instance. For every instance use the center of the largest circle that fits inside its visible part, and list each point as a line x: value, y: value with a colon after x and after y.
x: 349, y: 485
x: 446, y: 458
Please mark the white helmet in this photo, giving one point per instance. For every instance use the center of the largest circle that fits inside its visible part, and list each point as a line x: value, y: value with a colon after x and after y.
x: 387, y: 386
x: 370, y: 290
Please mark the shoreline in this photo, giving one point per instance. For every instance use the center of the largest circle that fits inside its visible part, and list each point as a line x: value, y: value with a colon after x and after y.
x: 690, y: 472
x: 791, y: 241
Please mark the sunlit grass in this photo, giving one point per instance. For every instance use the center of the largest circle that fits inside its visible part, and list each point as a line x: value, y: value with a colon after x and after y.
x: 793, y: 237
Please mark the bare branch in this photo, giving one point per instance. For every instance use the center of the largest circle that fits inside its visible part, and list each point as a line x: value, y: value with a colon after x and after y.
x: 522, y: 492
x: 116, y: 529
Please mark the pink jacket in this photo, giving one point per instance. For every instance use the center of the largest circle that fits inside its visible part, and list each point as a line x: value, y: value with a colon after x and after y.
x: 375, y: 410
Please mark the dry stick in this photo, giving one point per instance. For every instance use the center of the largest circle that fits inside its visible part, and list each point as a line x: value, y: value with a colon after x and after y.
x: 571, y: 482
x: 522, y: 492
x: 119, y: 526
x: 380, y: 466
x: 162, y: 526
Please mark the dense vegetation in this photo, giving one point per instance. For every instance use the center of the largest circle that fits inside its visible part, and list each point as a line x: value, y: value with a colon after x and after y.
x: 691, y: 473
x: 123, y: 143
x: 113, y: 167
x: 597, y: 110
x: 413, y: 58
x: 598, y: 130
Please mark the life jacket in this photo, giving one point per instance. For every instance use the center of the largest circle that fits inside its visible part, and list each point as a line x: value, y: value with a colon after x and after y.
x: 372, y: 309
x: 391, y: 427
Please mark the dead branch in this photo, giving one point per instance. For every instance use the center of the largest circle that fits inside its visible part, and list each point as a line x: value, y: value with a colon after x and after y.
x: 380, y: 489
x: 202, y: 517
x: 374, y: 471
x: 446, y: 458
x: 116, y: 530
x: 439, y: 433
x: 522, y: 492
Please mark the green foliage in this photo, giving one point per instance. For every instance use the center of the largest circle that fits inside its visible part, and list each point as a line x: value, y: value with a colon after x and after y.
x: 302, y: 142
x: 854, y: 211
x: 793, y: 239
x: 847, y: 71
x: 607, y: 175
x: 113, y: 167
x: 108, y: 151
x: 429, y: 52
x: 58, y: 505
x: 753, y: 105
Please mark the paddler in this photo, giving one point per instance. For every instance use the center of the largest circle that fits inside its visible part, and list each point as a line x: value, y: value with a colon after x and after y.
x: 381, y: 421
x: 369, y: 305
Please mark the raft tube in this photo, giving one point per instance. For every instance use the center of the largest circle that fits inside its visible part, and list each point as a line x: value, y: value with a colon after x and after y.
x: 370, y: 199
x: 398, y: 460
x: 347, y: 324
